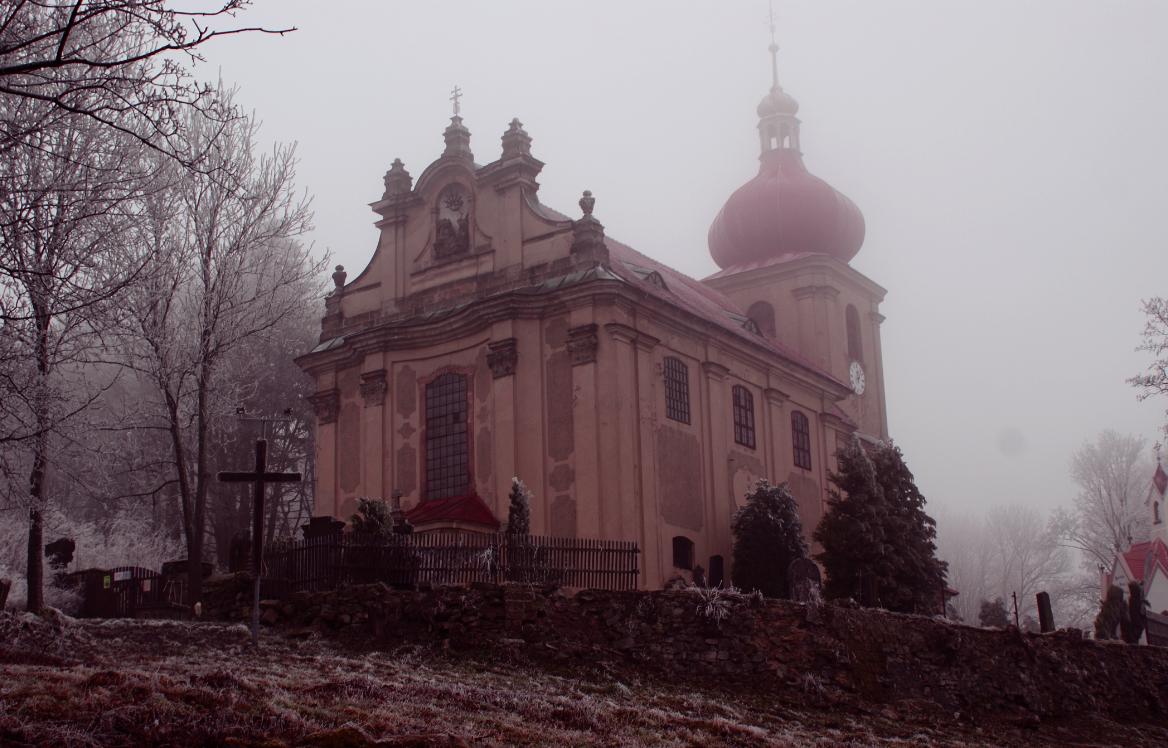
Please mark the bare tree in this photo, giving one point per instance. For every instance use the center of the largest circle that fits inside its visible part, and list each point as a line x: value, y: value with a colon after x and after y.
x: 1113, y: 474
x: 229, y: 267
x: 1011, y: 549
x: 67, y: 200
x: 123, y: 64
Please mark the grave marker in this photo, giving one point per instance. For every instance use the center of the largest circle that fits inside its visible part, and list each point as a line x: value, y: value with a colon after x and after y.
x: 803, y: 581
x: 259, y: 478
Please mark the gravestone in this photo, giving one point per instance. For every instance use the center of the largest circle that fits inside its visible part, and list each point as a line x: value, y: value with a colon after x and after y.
x: 5, y: 585
x: 803, y: 581
x: 1045, y: 614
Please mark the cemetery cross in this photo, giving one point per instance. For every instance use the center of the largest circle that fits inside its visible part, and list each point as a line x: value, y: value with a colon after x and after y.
x: 258, y: 478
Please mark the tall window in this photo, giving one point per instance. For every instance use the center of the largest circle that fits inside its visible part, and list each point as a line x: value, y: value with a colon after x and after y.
x: 447, y: 437
x: 676, y: 390
x: 855, y: 342
x: 743, y: 416
x: 801, y: 440
x: 683, y: 552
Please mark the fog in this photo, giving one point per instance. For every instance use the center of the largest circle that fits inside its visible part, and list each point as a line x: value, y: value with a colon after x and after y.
x: 1009, y: 159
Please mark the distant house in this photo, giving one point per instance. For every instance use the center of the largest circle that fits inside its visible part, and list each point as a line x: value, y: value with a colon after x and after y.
x: 1146, y: 562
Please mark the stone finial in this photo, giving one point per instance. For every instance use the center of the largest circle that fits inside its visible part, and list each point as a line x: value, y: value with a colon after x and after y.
x: 588, y: 233
x: 516, y: 141
x: 339, y: 278
x: 457, y: 139
x: 397, y: 180
x: 587, y: 203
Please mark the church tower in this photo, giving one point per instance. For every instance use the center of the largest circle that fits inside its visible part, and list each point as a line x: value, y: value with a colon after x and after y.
x: 783, y: 242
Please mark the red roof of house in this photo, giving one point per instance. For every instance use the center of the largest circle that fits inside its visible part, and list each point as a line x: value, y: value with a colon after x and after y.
x: 1136, y: 557
x: 468, y: 509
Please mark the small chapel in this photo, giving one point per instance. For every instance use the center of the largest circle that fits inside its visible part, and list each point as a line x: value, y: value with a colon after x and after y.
x: 492, y: 336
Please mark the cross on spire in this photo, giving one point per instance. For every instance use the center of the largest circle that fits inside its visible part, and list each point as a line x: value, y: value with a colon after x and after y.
x: 455, y: 95
x: 774, y: 49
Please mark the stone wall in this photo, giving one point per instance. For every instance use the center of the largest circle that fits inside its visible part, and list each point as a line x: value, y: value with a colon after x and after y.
x: 958, y: 671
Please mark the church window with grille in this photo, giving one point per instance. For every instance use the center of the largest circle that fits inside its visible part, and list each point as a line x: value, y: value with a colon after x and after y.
x: 447, y: 437
x: 676, y: 390
x: 801, y: 440
x: 743, y: 416
x: 855, y: 342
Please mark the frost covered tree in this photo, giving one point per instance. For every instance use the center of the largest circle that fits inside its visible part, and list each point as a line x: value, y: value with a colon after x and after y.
x: 519, y: 510
x: 1113, y: 474
x: 857, y: 554
x: 878, y: 541
x: 121, y: 65
x: 229, y: 265
x: 768, y: 536
x: 69, y: 198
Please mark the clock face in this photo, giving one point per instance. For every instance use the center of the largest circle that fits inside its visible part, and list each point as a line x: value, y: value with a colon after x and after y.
x: 856, y: 374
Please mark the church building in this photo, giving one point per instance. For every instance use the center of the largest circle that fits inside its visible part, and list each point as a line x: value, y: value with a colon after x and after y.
x: 491, y: 336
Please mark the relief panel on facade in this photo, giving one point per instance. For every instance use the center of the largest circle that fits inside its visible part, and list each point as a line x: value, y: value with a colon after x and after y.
x: 563, y: 517
x: 562, y: 478
x: 560, y: 433
x: 407, y: 469
x: 806, y: 491
x: 484, y: 458
x: 555, y: 332
x: 407, y: 392
x: 679, y: 477
x: 746, y: 471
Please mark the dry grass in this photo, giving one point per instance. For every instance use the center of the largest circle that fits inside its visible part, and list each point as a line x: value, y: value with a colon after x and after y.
x: 135, y: 683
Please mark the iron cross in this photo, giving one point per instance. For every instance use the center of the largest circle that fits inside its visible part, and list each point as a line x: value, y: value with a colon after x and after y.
x: 455, y: 95
x: 259, y: 478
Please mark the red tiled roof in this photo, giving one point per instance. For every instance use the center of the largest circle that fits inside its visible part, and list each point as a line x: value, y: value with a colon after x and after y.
x: 469, y: 509
x: 1136, y: 557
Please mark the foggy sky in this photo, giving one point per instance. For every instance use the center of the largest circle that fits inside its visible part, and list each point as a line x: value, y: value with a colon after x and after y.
x: 1009, y: 159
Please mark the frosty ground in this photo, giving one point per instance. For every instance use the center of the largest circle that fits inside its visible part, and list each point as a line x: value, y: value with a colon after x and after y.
x: 76, y: 683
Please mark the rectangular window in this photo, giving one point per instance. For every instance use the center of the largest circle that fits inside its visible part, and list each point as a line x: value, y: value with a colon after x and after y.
x: 743, y: 416
x: 447, y: 437
x: 676, y: 390
x: 801, y: 440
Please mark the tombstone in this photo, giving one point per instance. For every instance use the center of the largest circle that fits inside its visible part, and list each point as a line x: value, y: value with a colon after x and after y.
x: 1137, y: 613
x: 60, y: 553
x: 803, y: 581
x: 322, y: 527
x: 1045, y: 614
x: 717, y: 571
x: 5, y: 586
x: 699, y: 576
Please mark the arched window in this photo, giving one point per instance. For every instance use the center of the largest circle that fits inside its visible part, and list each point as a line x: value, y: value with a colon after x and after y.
x: 855, y: 342
x: 676, y: 389
x: 683, y: 552
x: 743, y: 416
x: 801, y: 440
x: 763, y: 315
x: 447, y: 437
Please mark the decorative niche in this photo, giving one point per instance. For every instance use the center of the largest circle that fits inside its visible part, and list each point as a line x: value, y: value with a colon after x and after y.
x: 452, y: 227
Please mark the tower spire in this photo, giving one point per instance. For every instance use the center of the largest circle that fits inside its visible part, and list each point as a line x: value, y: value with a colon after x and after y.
x: 774, y: 49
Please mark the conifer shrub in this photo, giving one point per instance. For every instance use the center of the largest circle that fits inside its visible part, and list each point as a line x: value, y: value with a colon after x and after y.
x: 768, y: 536
x: 993, y: 614
x: 879, y: 544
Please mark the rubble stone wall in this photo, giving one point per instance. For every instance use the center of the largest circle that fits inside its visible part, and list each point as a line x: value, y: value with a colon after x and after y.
x: 958, y: 671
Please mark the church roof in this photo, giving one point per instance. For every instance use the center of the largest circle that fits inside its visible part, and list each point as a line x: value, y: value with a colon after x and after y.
x: 1138, y: 562
x: 691, y: 295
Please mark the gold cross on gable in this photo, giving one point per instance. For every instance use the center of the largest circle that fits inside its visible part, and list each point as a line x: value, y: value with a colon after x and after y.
x: 455, y: 95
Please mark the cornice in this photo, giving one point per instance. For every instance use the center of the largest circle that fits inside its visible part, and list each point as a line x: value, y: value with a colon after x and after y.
x: 794, y: 267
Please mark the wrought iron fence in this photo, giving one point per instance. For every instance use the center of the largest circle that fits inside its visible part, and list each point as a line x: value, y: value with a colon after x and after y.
x: 450, y: 558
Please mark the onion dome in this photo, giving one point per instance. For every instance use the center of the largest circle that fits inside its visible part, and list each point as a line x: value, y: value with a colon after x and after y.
x: 785, y: 209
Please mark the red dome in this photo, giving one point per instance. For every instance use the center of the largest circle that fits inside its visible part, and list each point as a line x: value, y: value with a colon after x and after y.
x: 785, y: 210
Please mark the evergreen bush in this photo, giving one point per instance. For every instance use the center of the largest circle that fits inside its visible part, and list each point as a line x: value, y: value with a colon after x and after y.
x: 768, y: 536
